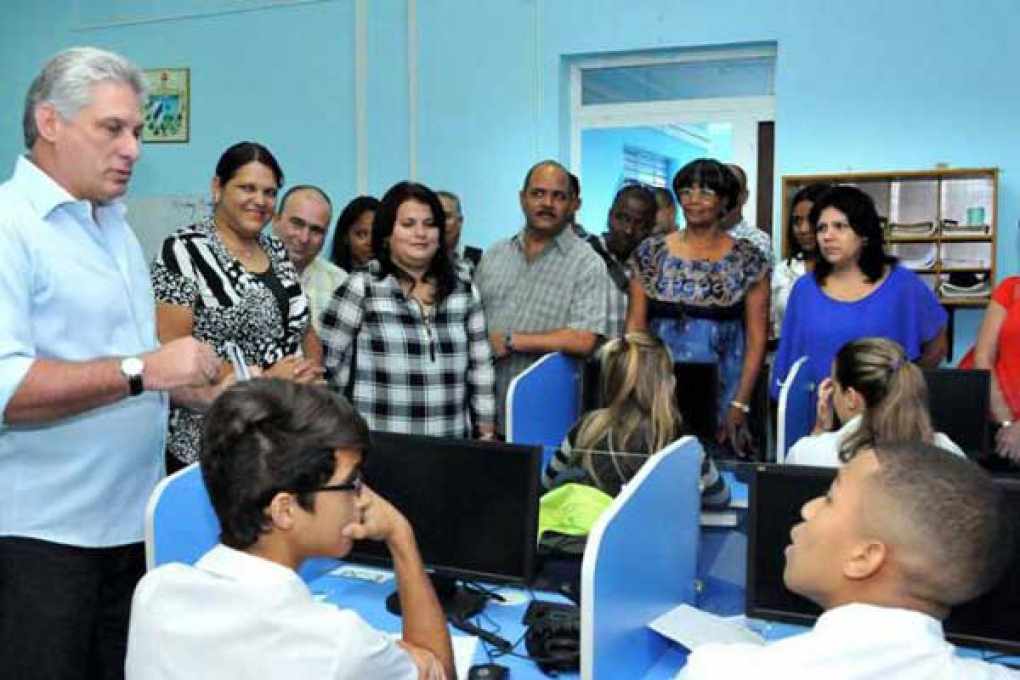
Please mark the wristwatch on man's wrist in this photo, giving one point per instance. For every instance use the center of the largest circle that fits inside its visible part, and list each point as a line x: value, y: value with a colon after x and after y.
x: 131, y: 368
x: 508, y: 342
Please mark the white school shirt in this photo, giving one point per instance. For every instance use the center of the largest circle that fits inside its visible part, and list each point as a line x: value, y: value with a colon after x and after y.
x: 234, y: 616
x: 852, y: 642
x: 823, y: 449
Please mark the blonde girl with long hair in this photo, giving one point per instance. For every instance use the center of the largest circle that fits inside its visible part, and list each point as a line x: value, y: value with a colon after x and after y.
x: 878, y: 395
x: 608, y: 446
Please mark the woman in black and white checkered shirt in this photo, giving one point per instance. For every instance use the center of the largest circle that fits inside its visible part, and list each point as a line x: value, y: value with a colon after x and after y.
x: 406, y: 341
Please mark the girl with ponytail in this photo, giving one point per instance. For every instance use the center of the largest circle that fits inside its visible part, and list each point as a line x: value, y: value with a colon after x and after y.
x: 878, y: 395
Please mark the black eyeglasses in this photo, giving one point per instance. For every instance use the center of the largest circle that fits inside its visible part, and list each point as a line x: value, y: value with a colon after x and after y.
x: 353, y: 485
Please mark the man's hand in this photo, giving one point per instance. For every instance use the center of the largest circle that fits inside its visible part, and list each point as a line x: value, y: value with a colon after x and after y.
x: 184, y: 362
x: 379, y: 520
x: 497, y: 341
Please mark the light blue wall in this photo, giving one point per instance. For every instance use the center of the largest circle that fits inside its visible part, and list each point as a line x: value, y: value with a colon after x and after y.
x: 602, y: 166
x: 867, y: 85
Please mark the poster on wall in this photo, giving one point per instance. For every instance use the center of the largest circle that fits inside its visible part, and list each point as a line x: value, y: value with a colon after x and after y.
x: 167, y: 106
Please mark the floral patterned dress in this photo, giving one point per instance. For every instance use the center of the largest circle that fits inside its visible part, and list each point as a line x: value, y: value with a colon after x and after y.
x: 697, y: 306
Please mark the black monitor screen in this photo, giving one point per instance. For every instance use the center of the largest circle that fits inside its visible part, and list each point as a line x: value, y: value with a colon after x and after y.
x: 958, y: 399
x: 697, y: 394
x: 473, y: 504
x: 776, y: 495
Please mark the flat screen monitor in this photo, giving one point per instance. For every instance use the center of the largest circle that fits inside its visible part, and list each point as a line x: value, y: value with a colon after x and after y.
x: 958, y: 399
x: 777, y: 493
x: 473, y: 506
x: 697, y: 394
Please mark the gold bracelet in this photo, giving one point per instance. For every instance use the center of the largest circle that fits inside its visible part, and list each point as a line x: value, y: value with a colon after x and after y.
x: 740, y: 405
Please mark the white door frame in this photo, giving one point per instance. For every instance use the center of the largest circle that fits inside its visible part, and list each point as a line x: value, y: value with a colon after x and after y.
x: 743, y: 112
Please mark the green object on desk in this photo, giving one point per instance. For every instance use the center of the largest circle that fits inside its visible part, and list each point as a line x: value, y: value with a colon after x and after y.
x: 571, y: 509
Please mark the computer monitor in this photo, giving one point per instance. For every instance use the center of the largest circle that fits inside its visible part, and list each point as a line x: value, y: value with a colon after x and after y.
x: 777, y: 492
x: 958, y: 400
x: 697, y: 394
x: 473, y: 506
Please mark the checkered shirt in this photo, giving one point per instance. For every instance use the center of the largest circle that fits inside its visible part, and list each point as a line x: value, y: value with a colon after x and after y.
x: 410, y: 375
x: 564, y: 287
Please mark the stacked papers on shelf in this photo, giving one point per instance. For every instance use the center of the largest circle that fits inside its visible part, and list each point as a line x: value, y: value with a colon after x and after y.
x: 916, y: 255
x: 981, y: 289
x: 913, y: 229
x: 954, y: 228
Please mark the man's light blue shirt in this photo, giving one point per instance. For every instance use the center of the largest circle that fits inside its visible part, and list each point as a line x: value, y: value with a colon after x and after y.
x: 74, y: 287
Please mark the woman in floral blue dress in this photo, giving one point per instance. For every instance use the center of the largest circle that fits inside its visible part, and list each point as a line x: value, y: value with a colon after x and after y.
x: 706, y: 294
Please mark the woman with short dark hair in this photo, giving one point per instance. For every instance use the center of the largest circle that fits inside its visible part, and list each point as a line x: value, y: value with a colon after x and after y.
x: 706, y: 294
x: 856, y: 291
x: 406, y: 340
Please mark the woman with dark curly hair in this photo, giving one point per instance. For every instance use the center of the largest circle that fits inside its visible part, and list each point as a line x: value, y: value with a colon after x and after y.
x: 856, y: 291
x: 352, y: 238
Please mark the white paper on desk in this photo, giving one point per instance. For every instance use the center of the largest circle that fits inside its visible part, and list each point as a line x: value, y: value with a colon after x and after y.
x: 692, y: 628
x: 464, y: 647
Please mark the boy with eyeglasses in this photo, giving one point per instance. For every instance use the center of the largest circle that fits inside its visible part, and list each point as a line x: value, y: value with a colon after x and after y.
x: 282, y: 463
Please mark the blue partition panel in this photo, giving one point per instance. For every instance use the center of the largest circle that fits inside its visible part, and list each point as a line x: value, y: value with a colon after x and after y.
x: 796, y: 412
x: 641, y: 562
x: 543, y: 402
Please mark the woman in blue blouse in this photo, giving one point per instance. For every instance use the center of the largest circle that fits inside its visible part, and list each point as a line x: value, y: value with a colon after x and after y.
x: 706, y: 294
x: 406, y: 340
x: 856, y: 291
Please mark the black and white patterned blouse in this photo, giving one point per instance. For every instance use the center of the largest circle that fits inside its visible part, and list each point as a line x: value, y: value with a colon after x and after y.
x: 194, y: 269
x: 404, y: 370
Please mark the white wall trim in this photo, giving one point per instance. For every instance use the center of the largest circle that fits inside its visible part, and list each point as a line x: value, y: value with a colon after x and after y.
x: 361, y: 96
x: 412, y: 89
x: 677, y: 112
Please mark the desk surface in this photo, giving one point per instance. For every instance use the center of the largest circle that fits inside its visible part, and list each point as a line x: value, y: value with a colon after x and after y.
x: 504, y: 619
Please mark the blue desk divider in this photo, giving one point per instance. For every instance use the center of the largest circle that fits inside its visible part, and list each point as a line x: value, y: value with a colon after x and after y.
x: 543, y: 403
x: 640, y: 562
x: 796, y: 411
x: 181, y: 525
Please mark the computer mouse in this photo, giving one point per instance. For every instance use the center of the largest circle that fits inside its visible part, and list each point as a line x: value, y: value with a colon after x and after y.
x: 488, y: 671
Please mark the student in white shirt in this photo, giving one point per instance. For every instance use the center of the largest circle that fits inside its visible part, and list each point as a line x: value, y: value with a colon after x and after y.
x: 282, y: 464
x: 878, y: 395
x: 906, y: 532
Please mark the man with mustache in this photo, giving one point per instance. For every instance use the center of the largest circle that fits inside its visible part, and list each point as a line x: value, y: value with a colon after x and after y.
x: 83, y: 381
x: 905, y: 533
x: 544, y: 289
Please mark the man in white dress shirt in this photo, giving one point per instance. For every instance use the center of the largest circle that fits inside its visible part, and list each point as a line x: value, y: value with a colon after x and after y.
x: 302, y: 223
x: 282, y: 464
x: 905, y: 533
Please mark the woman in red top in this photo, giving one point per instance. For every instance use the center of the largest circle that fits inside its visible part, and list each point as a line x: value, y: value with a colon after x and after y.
x: 998, y: 350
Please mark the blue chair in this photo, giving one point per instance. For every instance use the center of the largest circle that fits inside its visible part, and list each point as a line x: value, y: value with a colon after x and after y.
x: 543, y: 402
x: 181, y: 525
x: 641, y: 562
x: 796, y: 411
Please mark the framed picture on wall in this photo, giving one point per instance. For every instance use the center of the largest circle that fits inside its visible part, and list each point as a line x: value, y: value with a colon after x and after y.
x: 166, y: 115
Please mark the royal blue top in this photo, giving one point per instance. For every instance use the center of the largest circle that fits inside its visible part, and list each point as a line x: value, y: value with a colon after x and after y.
x: 902, y: 308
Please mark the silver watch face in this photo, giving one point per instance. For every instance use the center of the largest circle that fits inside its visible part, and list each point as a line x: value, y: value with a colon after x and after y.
x: 131, y: 366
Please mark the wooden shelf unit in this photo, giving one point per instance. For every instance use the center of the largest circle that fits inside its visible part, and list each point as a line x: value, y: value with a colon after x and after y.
x: 918, y: 196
